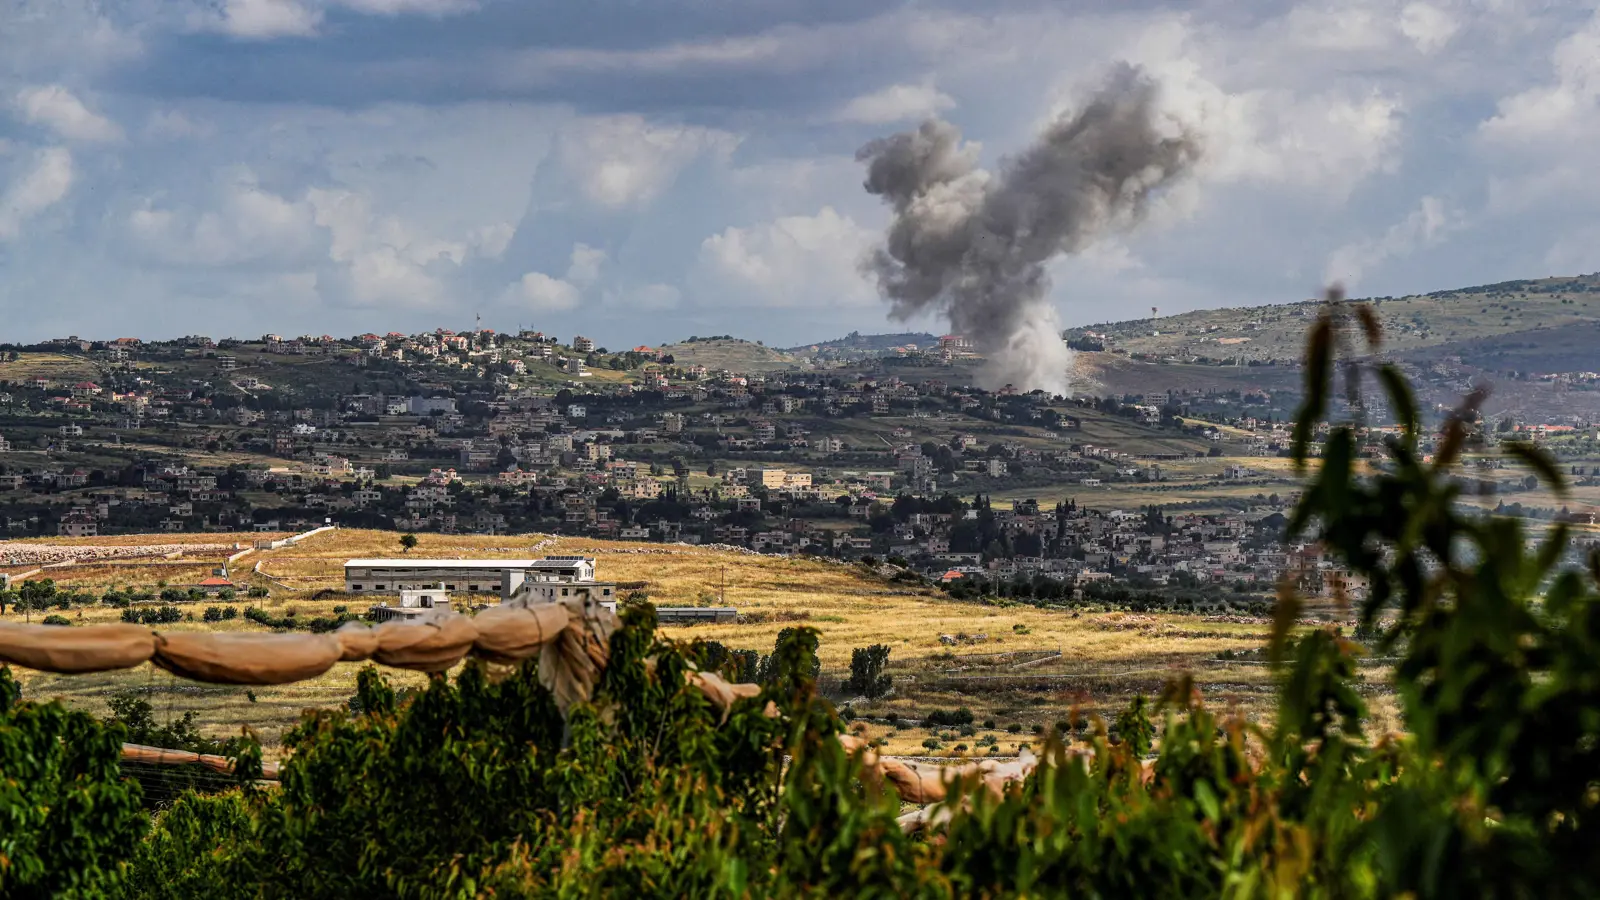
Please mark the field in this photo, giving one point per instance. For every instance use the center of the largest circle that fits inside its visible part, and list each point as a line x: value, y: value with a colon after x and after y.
x: 733, y: 355
x: 59, y: 368
x: 1104, y: 657
x: 1535, y: 309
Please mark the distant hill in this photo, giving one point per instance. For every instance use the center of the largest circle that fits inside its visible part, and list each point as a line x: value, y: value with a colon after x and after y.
x: 1474, y: 321
x: 856, y: 344
x: 730, y: 353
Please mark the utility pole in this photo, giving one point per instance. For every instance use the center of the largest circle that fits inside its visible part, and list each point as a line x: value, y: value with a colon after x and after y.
x: 722, y: 593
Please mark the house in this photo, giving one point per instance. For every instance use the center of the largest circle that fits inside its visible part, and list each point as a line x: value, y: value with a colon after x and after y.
x: 215, y: 585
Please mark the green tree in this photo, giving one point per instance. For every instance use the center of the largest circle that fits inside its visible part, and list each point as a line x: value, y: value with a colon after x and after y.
x: 408, y: 542
x: 866, y: 671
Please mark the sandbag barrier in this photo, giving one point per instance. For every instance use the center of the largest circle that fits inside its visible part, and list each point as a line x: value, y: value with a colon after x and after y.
x: 571, y: 639
x: 161, y: 756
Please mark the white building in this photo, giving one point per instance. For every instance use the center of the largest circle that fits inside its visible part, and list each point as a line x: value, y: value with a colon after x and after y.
x: 547, y: 578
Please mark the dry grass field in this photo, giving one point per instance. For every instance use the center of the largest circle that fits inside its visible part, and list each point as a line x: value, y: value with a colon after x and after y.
x: 1105, y: 657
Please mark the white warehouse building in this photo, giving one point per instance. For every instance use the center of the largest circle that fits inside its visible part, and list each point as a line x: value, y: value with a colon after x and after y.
x: 548, y: 578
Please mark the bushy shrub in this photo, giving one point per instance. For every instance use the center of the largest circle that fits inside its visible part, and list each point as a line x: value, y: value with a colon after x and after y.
x: 942, y: 717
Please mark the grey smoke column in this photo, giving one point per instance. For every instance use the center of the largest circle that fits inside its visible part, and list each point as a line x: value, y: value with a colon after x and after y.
x: 975, y: 244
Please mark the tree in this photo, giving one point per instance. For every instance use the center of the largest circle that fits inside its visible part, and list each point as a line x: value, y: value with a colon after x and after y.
x: 408, y: 542
x: 866, y: 671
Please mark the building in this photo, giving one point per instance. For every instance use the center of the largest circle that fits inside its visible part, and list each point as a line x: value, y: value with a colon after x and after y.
x: 582, y: 344
x: 551, y: 577
x: 415, y: 606
x: 782, y: 480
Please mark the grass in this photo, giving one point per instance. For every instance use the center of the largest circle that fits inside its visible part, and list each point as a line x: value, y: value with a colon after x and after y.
x: 59, y: 368
x: 1105, y: 657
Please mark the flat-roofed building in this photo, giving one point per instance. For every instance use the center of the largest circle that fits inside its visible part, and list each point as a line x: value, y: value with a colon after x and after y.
x: 544, y: 578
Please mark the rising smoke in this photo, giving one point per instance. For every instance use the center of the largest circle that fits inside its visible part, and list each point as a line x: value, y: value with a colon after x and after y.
x: 975, y: 244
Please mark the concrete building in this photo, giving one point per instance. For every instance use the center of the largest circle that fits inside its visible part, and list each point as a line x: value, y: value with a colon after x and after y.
x: 415, y: 606
x: 546, y: 578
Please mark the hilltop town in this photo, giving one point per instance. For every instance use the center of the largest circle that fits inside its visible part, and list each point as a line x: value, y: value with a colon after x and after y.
x: 877, y: 448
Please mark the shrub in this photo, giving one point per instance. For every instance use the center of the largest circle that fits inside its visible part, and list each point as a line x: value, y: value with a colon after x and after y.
x: 212, y: 614
x: 962, y: 716
x: 56, y: 620
x: 230, y: 612
x: 1014, y: 728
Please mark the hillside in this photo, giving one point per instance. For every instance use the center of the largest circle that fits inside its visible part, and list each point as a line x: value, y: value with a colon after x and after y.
x: 849, y: 605
x: 858, y: 345
x: 730, y: 353
x: 1485, y: 321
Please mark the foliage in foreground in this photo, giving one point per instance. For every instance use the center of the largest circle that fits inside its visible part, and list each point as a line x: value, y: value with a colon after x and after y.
x: 478, y: 787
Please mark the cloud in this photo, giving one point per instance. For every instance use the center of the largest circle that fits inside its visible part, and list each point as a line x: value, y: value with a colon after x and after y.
x: 622, y: 161
x: 541, y: 293
x: 259, y: 20
x: 387, y: 260
x: 791, y: 261
x: 170, y: 124
x: 1425, y: 227
x: 43, y: 186
x: 585, y: 266
x: 1429, y: 27
x: 247, y: 224
x: 58, y: 109
x: 491, y: 241
x: 1323, y: 142
x: 897, y: 103
x: 1566, y: 109
x: 401, y: 7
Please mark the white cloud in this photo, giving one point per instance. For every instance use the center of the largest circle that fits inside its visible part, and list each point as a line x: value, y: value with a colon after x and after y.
x: 1567, y: 109
x: 388, y: 261
x: 897, y: 103
x: 1425, y: 227
x: 248, y: 224
x: 260, y: 20
x: 541, y: 293
x: 584, y: 268
x: 401, y: 7
x: 42, y: 187
x: 625, y: 161
x: 791, y: 261
x: 58, y: 109
x: 174, y: 125
x: 491, y: 241
x: 1427, y: 26
x: 1326, y: 142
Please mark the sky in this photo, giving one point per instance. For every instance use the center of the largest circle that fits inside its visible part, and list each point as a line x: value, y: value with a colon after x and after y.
x: 640, y: 171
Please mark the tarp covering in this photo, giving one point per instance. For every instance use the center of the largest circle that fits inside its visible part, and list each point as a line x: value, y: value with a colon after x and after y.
x: 161, y: 756
x: 76, y: 651
x: 357, y: 640
x: 570, y: 666
x: 920, y: 782
x: 431, y: 646
x: 722, y: 694
x: 221, y: 658
x: 508, y: 634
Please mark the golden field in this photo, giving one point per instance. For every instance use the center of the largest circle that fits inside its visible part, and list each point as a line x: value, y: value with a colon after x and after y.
x: 1104, y: 657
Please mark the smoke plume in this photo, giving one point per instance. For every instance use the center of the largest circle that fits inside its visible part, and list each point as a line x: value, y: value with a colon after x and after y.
x: 974, y: 244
